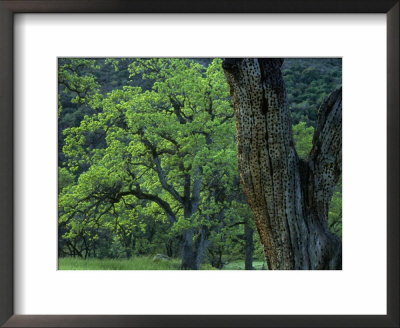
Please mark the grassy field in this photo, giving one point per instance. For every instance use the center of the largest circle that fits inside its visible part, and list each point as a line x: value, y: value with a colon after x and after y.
x: 139, y: 263
x: 239, y: 265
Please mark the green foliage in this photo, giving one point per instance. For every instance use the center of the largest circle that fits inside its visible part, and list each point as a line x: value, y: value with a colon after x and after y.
x: 308, y: 82
x: 303, y: 136
x: 65, y: 178
x: 77, y: 79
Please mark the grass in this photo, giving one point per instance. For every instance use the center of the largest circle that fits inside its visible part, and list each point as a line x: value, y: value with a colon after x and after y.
x: 138, y: 263
x: 239, y: 265
x: 135, y: 263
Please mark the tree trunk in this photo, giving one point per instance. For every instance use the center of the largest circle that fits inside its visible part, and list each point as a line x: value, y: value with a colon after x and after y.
x: 289, y: 197
x: 169, y: 247
x: 193, y: 247
x: 188, y: 262
x: 248, y: 246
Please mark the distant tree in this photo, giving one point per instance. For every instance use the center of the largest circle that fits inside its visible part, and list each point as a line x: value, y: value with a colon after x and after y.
x: 289, y: 196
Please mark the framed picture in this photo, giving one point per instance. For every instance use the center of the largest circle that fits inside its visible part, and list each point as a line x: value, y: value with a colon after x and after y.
x: 58, y: 52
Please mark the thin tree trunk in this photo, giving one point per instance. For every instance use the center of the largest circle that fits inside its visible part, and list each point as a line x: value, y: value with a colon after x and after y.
x: 188, y: 257
x: 289, y: 197
x: 193, y: 244
x: 193, y: 248
x: 128, y: 253
x: 201, y: 244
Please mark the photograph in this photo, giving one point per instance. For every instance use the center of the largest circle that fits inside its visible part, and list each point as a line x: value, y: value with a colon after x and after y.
x: 199, y: 163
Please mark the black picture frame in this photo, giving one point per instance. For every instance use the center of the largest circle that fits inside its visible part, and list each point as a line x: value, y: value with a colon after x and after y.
x: 7, y: 10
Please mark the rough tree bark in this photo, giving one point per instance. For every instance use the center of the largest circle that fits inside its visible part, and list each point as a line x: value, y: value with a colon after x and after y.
x: 289, y: 197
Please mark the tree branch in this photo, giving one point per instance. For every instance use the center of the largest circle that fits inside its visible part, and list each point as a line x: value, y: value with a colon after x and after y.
x: 163, y: 180
x: 325, y: 159
x: 142, y: 195
x: 177, y: 110
x: 161, y: 176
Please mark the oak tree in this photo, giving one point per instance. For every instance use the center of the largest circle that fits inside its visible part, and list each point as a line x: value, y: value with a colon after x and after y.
x: 170, y: 147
